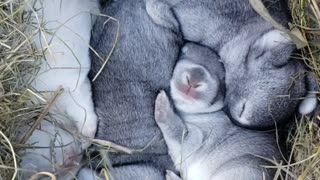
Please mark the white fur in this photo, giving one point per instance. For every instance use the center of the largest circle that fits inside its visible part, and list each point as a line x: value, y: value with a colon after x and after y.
x: 308, y: 104
x: 87, y: 174
x: 272, y: 38
x: 53, y: 149
x: 67, y: 60
x: 66, y: 64
x: 197, y: 170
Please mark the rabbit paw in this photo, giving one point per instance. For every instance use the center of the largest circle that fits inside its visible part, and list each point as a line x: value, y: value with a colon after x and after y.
x: 162, y: 107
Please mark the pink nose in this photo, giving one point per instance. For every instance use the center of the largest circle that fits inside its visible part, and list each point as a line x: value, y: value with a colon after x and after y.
x: 188, y: 91
x: 192, y: 83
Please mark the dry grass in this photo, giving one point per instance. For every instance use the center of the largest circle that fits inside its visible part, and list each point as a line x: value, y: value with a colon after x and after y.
x: 305, y: 143
x: 19, y: 63
x: 304, y: 139
x: 304, y: 135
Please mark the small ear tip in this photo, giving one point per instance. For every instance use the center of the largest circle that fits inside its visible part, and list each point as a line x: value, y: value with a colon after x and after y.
x: 162, y: 92
x: 185, y: 49
x: 308, y: 105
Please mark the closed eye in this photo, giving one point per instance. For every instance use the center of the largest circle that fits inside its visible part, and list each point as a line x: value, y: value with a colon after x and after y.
x: 261, y: 54
x: 279, y: 66
x: 252, y: 53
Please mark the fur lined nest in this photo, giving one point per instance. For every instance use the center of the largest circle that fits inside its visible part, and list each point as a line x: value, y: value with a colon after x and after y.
x: 19, y: 64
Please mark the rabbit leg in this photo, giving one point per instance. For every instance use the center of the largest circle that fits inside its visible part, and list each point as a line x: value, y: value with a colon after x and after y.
x: 161, y: 13
x: 171, y: 125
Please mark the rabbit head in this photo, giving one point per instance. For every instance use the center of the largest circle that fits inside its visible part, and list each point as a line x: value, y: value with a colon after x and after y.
x: 264, y: 85
x: 197, y: 80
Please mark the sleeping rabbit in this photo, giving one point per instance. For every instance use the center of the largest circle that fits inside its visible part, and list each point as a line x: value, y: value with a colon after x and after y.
x: 202, y: 141
x: 124, y: 92
x: 264, y: 84
x: 64, y: 38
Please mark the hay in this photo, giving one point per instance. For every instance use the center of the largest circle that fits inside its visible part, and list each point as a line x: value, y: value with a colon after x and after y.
x: 19, y: 64
x: 304, y: 137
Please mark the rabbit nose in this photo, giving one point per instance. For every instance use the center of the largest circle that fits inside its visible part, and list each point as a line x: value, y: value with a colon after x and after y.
x: 197, y: 74
x: 192, y: 83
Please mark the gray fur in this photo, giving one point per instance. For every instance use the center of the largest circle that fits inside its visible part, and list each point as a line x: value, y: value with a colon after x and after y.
x: 127, y: 172
x: 137, y: 172
x: 124, y: 93
x: 208, y: 146
x: 263, y: 83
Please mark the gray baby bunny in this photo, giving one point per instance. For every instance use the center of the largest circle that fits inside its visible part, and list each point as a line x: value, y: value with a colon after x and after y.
x: 193, y: 66
x: 203, y: 142
x: 263, y: 83
x: 124, y: 93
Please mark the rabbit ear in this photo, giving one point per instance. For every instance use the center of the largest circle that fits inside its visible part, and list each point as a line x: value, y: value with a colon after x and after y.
x: 275, y: 46
x: 185, y: 49
x: 310, y: 102
x: 272, y: 39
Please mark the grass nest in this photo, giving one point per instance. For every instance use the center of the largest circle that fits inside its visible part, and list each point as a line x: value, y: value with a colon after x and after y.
x: 304, y: 136
x: 20, y: 62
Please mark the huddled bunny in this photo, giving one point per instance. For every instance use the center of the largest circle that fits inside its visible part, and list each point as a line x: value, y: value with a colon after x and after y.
x: 62, y: 29
x: 145, y: 38
x: 140, y: 66
x: 263, y: 83
x: 202, y: 141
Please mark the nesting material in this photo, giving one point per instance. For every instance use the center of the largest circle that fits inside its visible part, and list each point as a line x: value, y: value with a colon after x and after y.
x: 304, y: 138
x: 19, y: 63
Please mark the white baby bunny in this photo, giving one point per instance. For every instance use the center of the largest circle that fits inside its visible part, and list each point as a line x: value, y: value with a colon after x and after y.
x: 63, y: 32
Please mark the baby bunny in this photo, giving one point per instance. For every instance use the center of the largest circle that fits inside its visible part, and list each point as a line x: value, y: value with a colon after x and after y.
x: 66, y: 63
x: 124, y: 92
x: 263, y: 83
x: 203, y: 142
x: 192, y: 93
